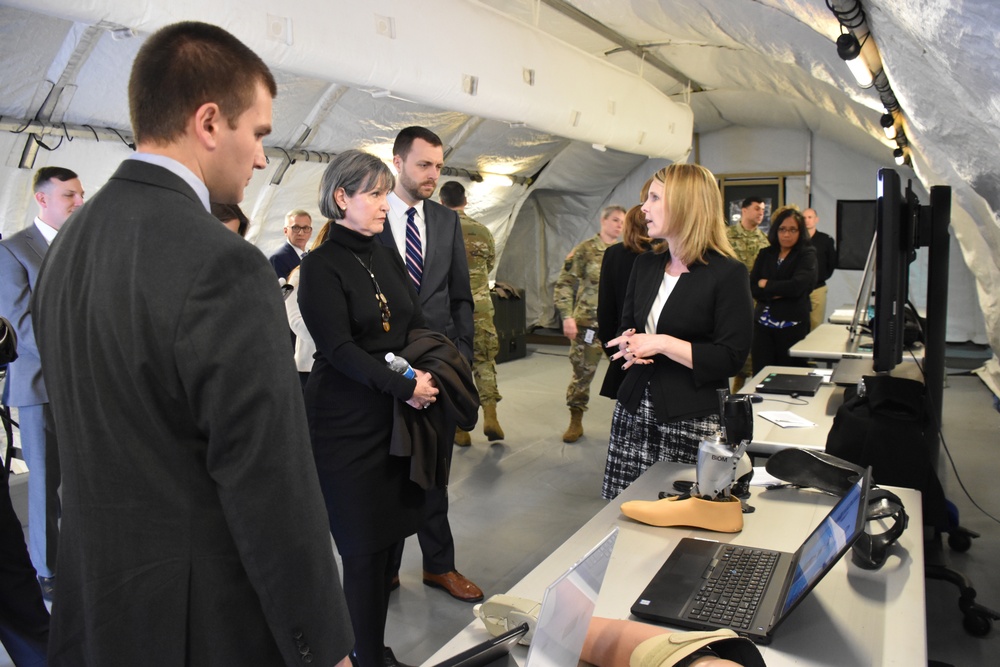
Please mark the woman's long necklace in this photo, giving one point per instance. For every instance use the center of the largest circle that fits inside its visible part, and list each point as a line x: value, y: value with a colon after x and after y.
x: 383, y: 305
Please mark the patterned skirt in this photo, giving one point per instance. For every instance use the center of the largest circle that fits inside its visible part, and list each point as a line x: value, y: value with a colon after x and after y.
x: 639, y: 440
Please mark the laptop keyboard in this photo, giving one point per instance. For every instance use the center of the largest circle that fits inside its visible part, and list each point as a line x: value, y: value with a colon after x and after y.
x: 734, y: 586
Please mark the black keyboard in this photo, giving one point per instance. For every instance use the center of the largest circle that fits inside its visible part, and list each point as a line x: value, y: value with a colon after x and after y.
x: 734, y: 585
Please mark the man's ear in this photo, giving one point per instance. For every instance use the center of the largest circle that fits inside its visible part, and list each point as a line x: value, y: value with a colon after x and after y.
x: 40, y: 199
x: 207, y: 120
x: 397, y: 162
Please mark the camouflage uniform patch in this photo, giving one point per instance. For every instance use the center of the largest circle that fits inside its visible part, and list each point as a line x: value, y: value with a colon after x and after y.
x: 480, y: 251
x: 576, y: 296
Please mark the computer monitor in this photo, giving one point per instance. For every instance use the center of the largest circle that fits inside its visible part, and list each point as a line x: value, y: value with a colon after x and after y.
x: 896, y: 222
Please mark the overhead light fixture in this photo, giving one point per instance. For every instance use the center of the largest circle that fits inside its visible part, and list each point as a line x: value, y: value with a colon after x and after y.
x: 888, y: 123
x: 497, y: 180
x: 599, y: 147
x: 849, y: 50
x: 899, y: 155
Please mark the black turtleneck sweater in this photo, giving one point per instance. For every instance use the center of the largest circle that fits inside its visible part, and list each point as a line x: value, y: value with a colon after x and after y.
x: 338, y: 304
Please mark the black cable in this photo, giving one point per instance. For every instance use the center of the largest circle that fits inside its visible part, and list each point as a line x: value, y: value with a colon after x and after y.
x: 849, y: 18
x: 940, y: 434
x: 778, y: 400
x: 42, y: 144
x: 132, y: 146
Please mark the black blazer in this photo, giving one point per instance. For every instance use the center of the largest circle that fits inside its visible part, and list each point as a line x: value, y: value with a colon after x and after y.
x: 788, y: 285
x: 284, y: 260
x: 711, y: 308
x: 826, y: 257
x: 445, y: 290
x: 616, y: 267
x: 193, y: 528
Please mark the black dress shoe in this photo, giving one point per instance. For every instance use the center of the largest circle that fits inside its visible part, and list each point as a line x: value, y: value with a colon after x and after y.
x: 817, y: 469
x: 48, y: 585
x: 390, y: 659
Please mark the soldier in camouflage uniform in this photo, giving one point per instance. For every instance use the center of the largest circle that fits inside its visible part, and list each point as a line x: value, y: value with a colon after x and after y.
x: 747, y: 240
x: 576, y: 298
x: 481, y: 254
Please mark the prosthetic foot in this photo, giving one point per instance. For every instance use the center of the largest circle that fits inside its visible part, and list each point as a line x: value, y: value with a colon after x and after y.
x: 818, y: 470
x: 722, y: 516
x: 501, y: 613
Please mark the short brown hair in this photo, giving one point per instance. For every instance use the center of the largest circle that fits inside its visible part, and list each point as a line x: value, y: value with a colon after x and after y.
x: 46, y: 175
x: 185, y: 65
x: 404, y: 140
x: 452, y: 194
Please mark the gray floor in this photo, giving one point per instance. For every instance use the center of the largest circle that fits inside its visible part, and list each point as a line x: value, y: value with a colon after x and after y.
x: 514, y: 502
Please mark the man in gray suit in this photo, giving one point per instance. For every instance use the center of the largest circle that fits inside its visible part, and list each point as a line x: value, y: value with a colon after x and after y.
x: 194, y: 532
x: 428, y: 237
x: 58, y: 193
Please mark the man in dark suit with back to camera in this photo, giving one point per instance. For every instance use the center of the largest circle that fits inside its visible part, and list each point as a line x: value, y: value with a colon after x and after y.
x: 194, y: 531
x: 58, y: 193
x: 428, y: 236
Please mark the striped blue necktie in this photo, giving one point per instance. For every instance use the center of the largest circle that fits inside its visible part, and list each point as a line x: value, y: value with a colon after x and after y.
x: 414, y: 249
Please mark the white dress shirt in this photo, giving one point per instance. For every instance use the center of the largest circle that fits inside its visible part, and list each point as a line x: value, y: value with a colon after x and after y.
x: 396, y: 219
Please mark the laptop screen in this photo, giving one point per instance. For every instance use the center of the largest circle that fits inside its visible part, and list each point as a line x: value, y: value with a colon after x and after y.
x: 567, y: 608
x: 827, y: 543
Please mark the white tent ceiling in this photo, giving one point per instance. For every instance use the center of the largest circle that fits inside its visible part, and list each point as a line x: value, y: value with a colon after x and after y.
x: 524, y: 88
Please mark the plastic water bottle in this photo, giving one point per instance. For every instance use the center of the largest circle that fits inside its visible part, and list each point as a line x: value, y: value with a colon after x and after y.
x: 400, y: 365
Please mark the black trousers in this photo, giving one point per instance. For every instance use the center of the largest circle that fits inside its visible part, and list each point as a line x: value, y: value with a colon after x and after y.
x: 24, y: 620
x: 770, y: 346
x: 366, y: 589
x: 436, y: 541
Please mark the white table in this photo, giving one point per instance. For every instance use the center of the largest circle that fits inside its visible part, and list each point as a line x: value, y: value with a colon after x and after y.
x: 820, y: 409
x: 830, y: 342
x: 853, y: 617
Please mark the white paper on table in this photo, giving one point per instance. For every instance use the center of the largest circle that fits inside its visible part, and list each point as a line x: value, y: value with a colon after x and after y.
x: 761, y: 477
x: 785, y: 419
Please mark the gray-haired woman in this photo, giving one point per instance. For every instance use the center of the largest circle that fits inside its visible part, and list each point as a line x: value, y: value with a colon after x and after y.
x: 358, y: 303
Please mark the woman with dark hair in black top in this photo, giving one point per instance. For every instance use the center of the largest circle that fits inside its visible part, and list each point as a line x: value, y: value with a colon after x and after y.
x: 781, y: 279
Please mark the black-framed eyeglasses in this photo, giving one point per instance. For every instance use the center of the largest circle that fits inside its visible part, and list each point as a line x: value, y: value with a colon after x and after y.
x: 788, y: 230
x: 300, y: 230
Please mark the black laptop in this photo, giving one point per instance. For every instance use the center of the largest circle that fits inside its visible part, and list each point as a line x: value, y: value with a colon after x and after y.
x: 786, y: 383
x: 702, y: 584
x: 849, y: 371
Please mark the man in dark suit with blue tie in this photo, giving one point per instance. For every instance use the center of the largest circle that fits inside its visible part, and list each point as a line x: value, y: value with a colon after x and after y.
x: 58, y: 193
x: 428, y: 236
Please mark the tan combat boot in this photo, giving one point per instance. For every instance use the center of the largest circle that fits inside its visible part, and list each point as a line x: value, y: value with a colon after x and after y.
x: 575, y: 430
x: 491, y: 427
x: 462, y: 438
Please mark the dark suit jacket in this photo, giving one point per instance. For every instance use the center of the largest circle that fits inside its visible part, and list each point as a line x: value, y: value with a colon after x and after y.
x: 826, y: 257
x: 711, y: 308
x: 193, y: 529
x: 445, y: 291
x: 284, y: 260
x: 20, y: 258
x: 616, y: 267
x: 788, y: 285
